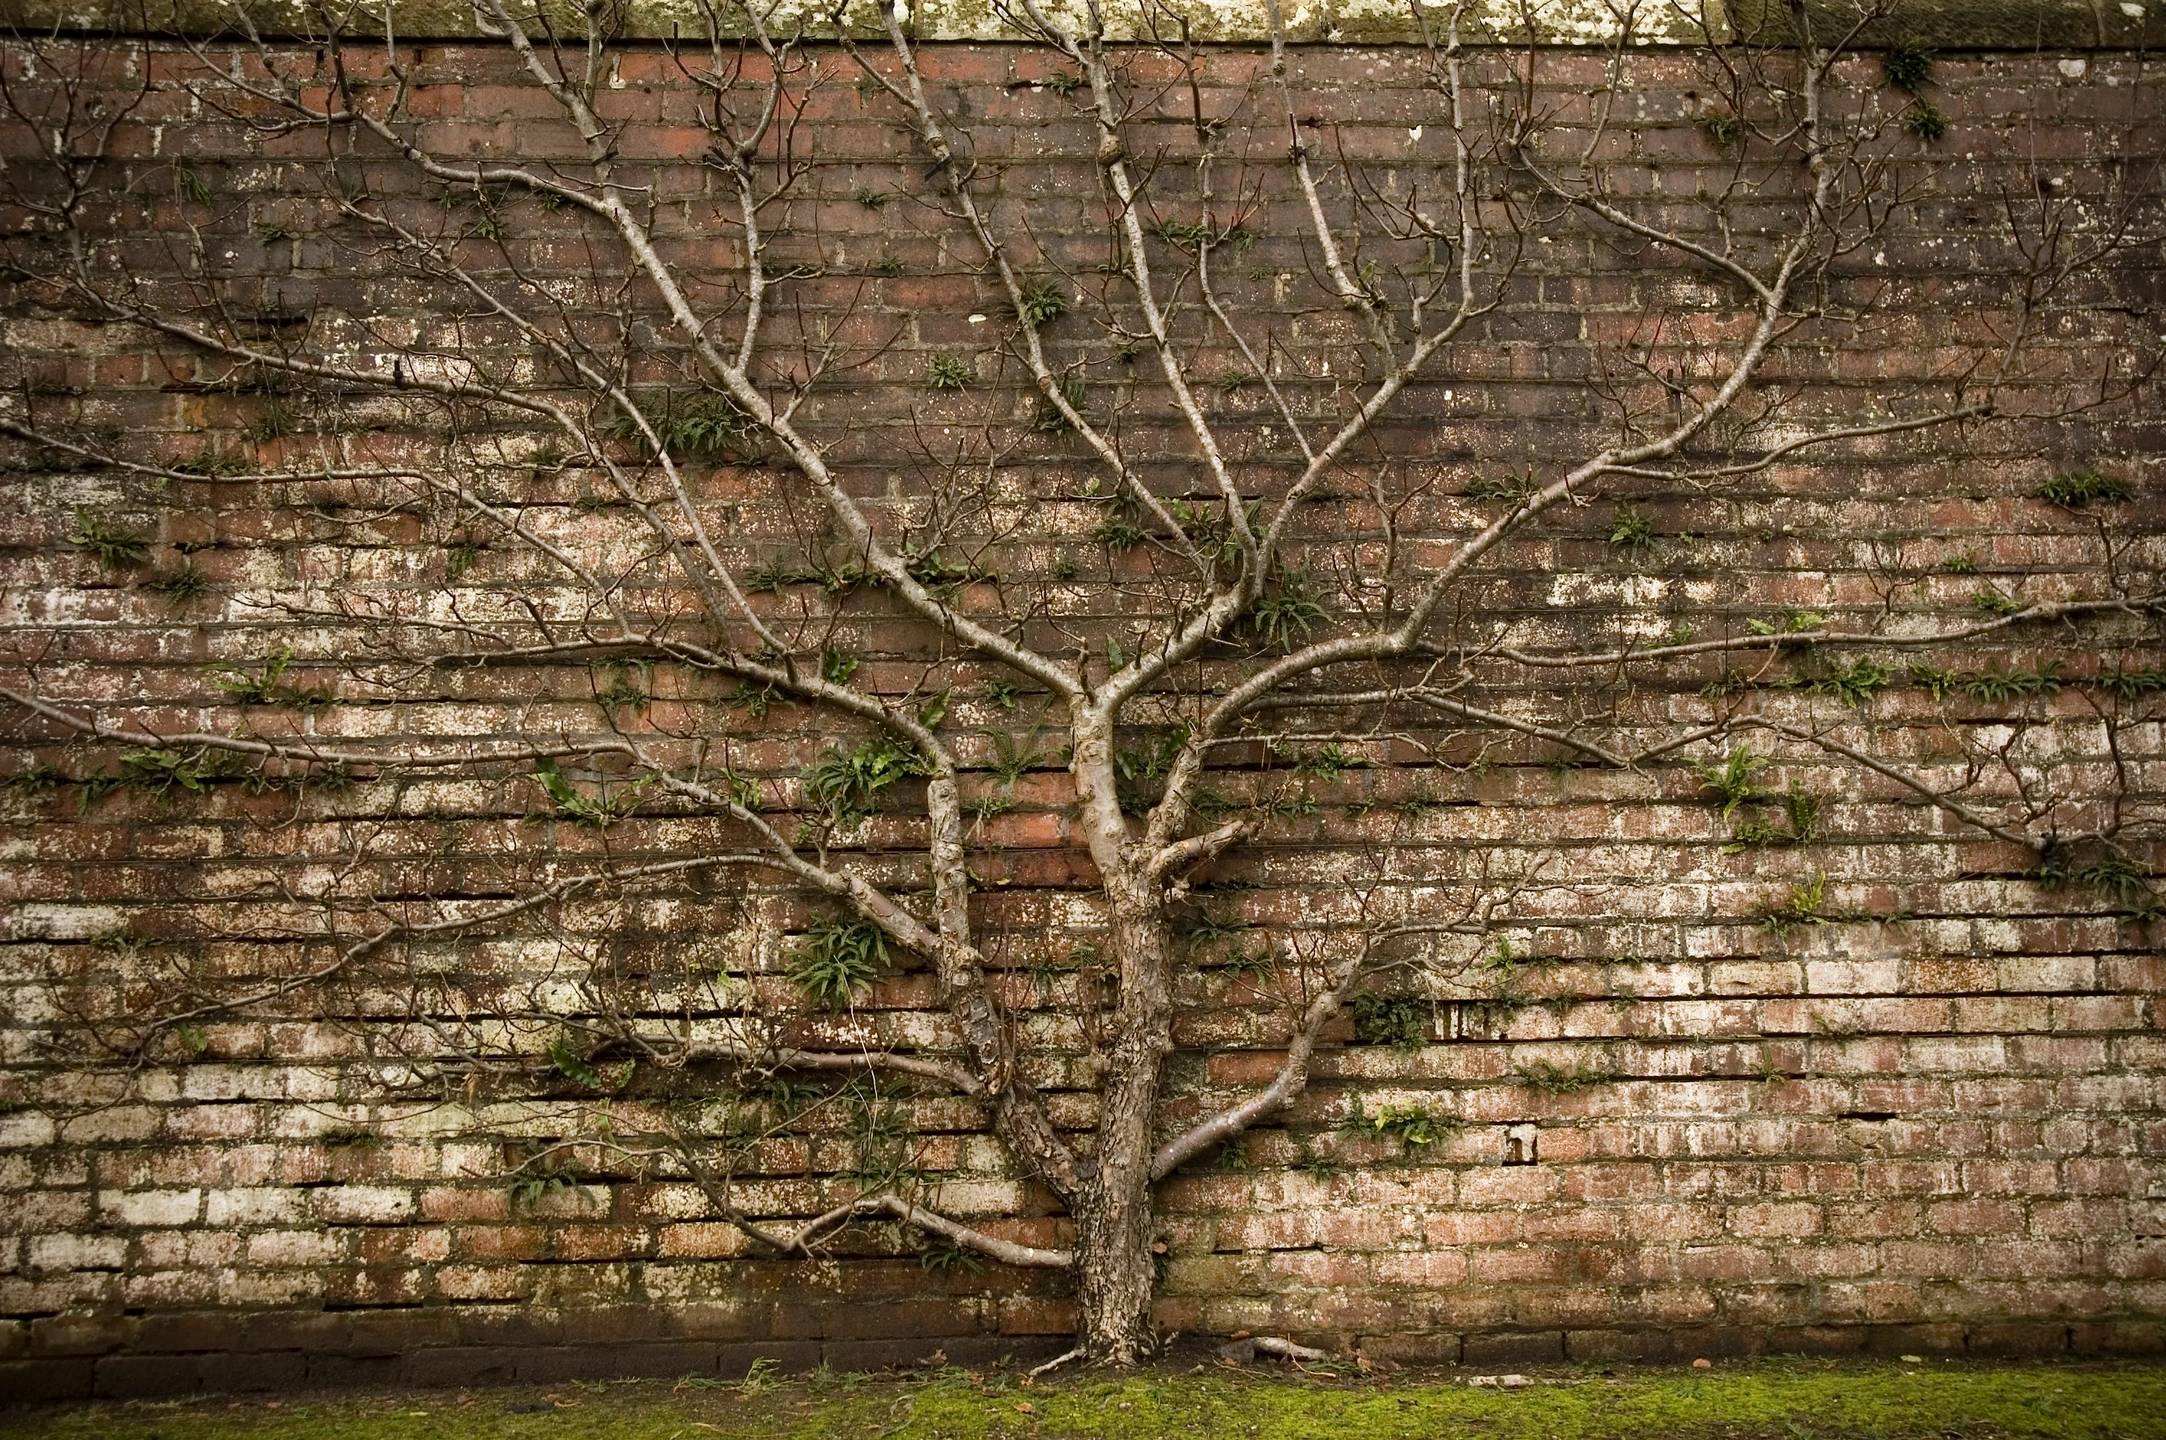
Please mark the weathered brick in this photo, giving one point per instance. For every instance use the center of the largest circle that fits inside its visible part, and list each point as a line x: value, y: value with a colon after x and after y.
x: 154, y: 1207
x: 1683, y: 1131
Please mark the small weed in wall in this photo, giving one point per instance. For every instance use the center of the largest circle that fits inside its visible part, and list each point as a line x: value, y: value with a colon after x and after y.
x: 178, y: 586
x: 1400, y: 1021
x: 846, y: 784
x: 1907, y: 68
x: 111, y: 541
x: 1547, y: 1077
x: 603, y: 808
x: 1415, y: 1127
x: 837, y: 960
x: 948, y: 372
x: 1040, y: 303
x: 2079, y: 488
x: 1633, y: 533
x: 1805, y: 903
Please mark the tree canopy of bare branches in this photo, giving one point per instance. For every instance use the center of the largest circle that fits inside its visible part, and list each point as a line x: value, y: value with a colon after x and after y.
x: 788, y: 586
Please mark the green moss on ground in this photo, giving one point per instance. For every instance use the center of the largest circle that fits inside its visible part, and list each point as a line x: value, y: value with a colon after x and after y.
x: 1776, y: 1400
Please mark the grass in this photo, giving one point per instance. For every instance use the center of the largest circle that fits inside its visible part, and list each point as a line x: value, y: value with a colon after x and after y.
x: 1755, y: 1400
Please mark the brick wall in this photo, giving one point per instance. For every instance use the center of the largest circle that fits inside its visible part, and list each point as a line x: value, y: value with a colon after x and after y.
x: 1933, y: 1121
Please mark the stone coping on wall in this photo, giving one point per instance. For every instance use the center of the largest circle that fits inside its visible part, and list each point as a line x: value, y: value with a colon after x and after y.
x: 1944, y: 24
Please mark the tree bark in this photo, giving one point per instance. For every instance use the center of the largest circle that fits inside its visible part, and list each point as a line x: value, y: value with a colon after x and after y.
x: 1115, y: 1272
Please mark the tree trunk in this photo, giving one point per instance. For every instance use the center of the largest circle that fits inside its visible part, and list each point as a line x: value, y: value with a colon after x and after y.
x: 1116, y: 1277
x: 1115, y: 1274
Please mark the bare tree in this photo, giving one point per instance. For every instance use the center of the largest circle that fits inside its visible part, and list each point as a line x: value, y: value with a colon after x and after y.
x: 568, y: 419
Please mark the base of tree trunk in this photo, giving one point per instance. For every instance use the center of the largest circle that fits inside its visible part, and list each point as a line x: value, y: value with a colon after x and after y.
x: 1115, y: 1284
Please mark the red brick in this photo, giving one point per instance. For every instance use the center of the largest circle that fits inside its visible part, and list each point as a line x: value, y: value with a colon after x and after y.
x: 1930, y: 1132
